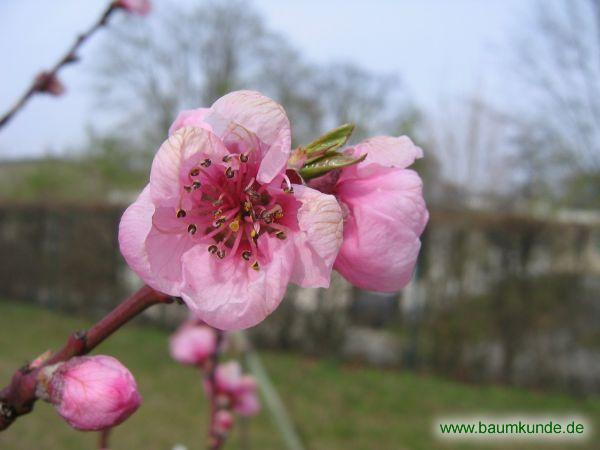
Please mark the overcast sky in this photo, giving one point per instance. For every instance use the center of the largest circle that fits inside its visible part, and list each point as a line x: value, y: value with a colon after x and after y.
x: 441, y: 49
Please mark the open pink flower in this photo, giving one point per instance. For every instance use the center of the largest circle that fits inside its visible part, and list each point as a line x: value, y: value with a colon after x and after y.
x: 90, y: 392
x: 239, y: 389
x: 220, y: 224
x: 384, y: 213
x: 141, y: 7
x: 193, y: 344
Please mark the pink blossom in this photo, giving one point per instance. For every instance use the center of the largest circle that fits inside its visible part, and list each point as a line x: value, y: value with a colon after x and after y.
x: 238, y: 388
x: 90, y: 392
x: 141, y: 7
x: 221, y: 225
x: 384, y: 213
x: 193, y: 344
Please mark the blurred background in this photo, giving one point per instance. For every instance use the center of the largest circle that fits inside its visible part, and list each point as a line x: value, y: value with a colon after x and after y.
x: 503, y: 314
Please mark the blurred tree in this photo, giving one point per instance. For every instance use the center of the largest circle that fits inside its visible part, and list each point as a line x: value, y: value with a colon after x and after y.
x: 558, y: 62
x: 186, y: 58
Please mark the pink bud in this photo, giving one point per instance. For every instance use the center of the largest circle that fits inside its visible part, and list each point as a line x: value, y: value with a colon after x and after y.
x: 240, y: 389
x: 193, y: 344
x: 223, y: 421
x: 49, y: 83
x: 90, y: 392
x: 141, y: 7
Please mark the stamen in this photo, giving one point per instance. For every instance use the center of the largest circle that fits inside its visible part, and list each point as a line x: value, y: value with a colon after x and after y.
x: 180, y: 213
x: 243, y: 157
x: 196, y: 185
x: 212, y: 249
x: 217, y: 223
x: 235, y: 225
x: 206, y: 163
x: 217, y: 213
x: 192, y: 229
x: 246, y: 254
x: 226, y: 158
x: 229, y: 173
x: 194, y: 172
x: 255, y: 266
x: 221, y: 254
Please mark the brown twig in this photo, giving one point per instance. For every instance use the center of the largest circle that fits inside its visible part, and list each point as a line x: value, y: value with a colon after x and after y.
x: 216, y: 438
x: 19, y: 396
x: 69, y: 57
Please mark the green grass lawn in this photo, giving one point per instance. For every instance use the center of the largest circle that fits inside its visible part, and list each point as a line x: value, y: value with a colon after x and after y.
x: 333, y: 406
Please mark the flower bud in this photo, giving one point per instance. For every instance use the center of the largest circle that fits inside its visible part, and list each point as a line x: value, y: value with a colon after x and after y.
x: 193, y: 344
x: 141, y: 7
x: 90, y: 392
x: 223, y: 421
x: 48, y: 83
x: 239, y: 389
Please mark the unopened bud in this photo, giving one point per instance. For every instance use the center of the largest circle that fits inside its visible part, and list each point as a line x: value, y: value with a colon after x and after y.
x: 193, y: 344
x: 90, y: 392
x: 140, y: 7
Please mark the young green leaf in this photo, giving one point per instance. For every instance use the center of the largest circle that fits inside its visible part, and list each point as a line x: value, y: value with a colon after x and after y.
x: 329, y: 142
x: 328, y: 163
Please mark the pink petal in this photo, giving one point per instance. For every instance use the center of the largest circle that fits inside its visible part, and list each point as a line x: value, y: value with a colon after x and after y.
x: 186, y: 147
x: 386, y: 151
x: 153, y: 255
x: 261, y: 116
x: 191, y: 118
x: 134, y: 228
x: 381, y: 234
x: 228, y: 294
x: 319, y: 239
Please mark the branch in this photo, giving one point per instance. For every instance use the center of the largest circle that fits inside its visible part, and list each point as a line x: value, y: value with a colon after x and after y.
x: 19, y: 396
x: 216, y: 439
x: 69, y: 57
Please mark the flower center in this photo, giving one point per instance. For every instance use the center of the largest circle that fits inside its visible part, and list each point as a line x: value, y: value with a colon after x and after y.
x: 225, y: 206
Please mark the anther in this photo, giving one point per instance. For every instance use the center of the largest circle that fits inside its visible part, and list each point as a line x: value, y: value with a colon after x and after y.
x: 280, y: 235
x: 196, y: 184
x: 217, y: 213
x: 247, y: 206
x: 229, y: 173
x: 212, y: 249
x: 288, y: 190
x: 219, y: 222
x: 235, y: 225
x: 180, y: 213
x: 253, y: 233
x: 194, y: 172
x: 246, y: 254
x: 243, y: 157
x: 206, y: 163
x: 226, y: 158
x: 221, y: 254
x: 187, y: 188
x: 192, y: 228
x: 255, y: 266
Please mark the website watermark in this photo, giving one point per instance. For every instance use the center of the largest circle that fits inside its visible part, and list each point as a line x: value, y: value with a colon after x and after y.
x: 515, y: 427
